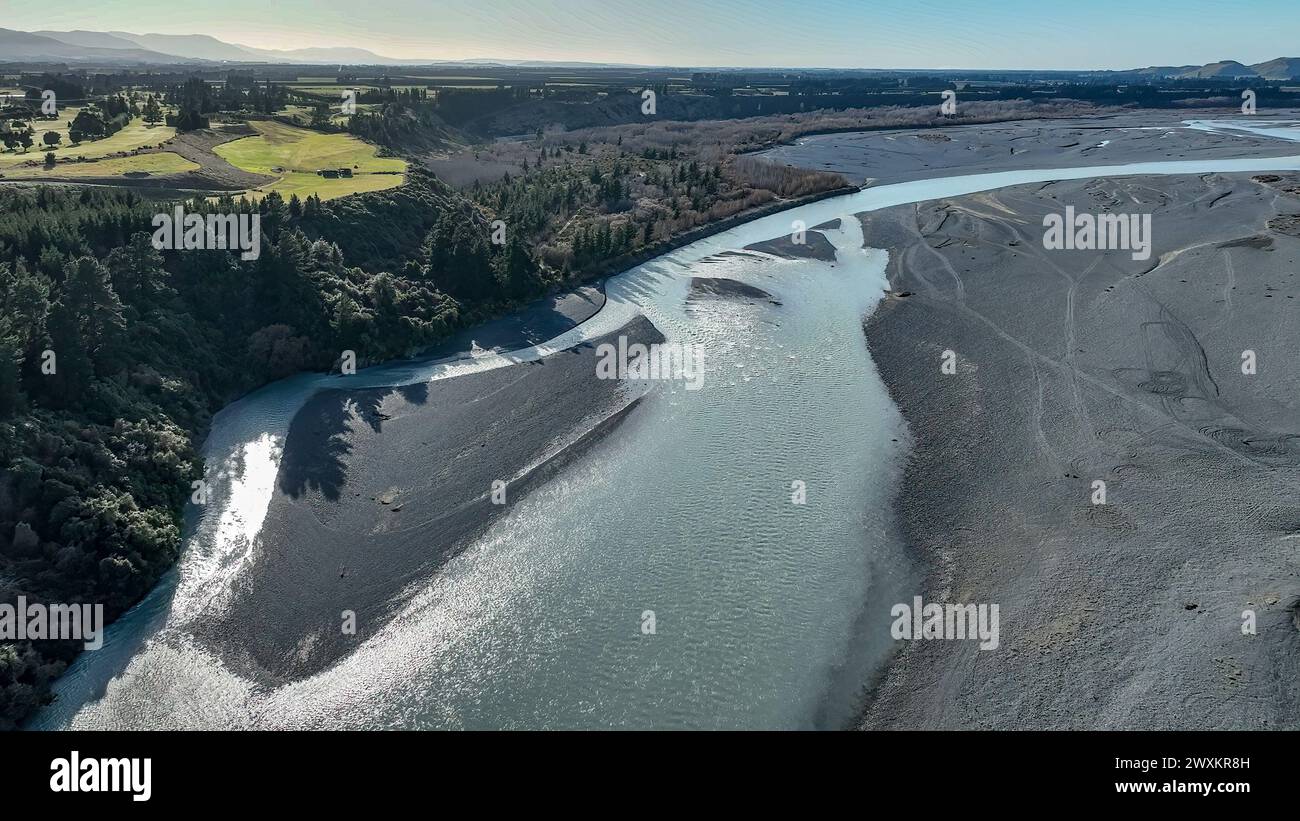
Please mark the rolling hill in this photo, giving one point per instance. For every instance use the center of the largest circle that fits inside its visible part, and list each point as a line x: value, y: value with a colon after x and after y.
x: 1224, y: 69
x: 197, y: 46
x: 1283, y: 68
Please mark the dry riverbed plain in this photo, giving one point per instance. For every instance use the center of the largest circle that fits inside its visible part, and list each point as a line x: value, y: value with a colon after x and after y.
x: 881, y: 157
x: 1173, y: 604
x: 1076, y: 367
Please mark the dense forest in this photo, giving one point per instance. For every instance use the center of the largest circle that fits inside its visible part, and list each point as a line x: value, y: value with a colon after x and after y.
x: 581, y: 207
x: 113, y: 357
x: 587, y: 198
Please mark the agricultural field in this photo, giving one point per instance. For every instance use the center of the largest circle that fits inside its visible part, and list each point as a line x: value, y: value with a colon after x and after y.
x: 137, y: 134
x: 163, y: 162
x: 293, y: 155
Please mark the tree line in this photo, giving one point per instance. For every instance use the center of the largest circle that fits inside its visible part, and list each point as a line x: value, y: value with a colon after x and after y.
x: 114, y: 356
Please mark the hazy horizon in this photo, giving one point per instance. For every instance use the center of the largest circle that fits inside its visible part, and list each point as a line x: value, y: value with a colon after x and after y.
x: 933, y: 34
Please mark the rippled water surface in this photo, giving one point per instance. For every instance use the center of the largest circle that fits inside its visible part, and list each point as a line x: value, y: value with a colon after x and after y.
x: 685, y: 511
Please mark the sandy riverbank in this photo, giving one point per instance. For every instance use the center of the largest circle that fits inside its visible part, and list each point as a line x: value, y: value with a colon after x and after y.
x: 534, y: 323
x: 378, y: 488
x: 1078, y: 366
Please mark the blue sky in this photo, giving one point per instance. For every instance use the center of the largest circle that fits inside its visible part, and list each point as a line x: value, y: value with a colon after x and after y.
x: 1047, y: 34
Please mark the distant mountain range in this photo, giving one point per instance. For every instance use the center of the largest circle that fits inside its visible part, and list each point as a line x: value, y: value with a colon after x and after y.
x: 123, y: 47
